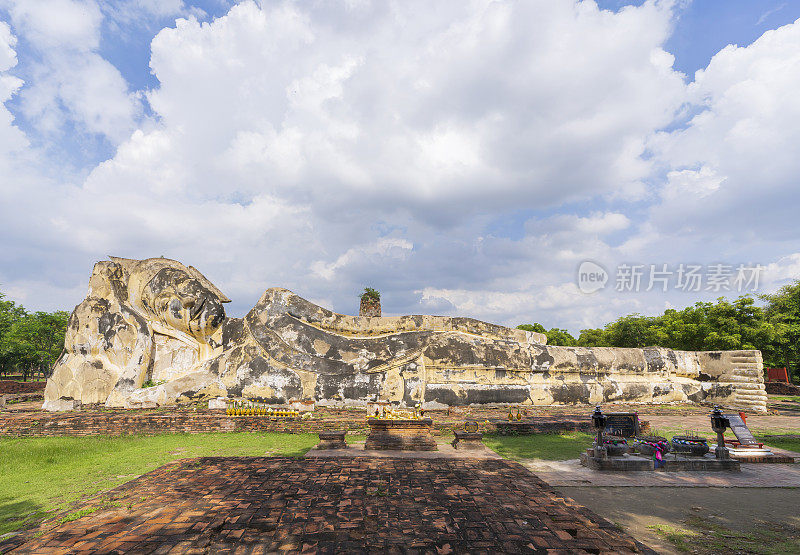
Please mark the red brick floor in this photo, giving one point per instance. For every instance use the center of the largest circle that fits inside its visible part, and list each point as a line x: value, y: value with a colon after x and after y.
x: 257, y: 505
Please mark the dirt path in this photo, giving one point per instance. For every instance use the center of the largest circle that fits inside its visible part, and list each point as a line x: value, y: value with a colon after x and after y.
x: 636, y: 508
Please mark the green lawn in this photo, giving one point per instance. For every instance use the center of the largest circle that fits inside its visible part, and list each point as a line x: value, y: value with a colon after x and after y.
x: 790, y: 398
x: 554, y: 447
x: 790, y: 444
x: 42, y: 476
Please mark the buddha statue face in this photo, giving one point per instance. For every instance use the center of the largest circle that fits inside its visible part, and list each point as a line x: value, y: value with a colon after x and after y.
x: 181, y: 301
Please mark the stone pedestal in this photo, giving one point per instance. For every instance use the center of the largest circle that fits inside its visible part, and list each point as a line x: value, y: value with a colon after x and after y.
x: 332, y: 440
x: 672, y: 463
x: 468, y: 441
x: 400, y: 435
x: 625, y: 463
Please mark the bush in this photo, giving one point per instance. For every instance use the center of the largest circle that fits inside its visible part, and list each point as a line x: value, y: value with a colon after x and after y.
x: 371, y: 294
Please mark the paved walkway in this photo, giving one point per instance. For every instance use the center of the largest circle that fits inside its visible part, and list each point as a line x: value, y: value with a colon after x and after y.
x: 571, y: 473
x: 637, y: 510
x: 335, y: 505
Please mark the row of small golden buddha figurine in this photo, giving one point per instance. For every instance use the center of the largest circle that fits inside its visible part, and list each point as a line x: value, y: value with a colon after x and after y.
x: 390, y: 413
x: 244, y: 408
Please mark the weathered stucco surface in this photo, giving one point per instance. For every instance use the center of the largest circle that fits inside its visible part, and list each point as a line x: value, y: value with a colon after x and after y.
x: 157, y: 320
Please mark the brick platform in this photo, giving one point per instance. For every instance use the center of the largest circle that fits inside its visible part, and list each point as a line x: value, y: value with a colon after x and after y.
x: 130, y: 422
x: 261, y: 505
x: 530, y: 426
x: 14, y: 387
x: 100, y: 421
x: 87, y: 422
x: 332, y: 440
x: 780, y: 388
x: 400, y: 435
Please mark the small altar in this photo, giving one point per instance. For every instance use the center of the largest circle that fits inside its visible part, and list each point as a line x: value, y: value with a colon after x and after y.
x: 400, y: 434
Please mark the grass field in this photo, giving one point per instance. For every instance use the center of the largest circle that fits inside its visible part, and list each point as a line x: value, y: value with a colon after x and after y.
x: 790, y: 444
x: 789, y: 398
x: 42, y: 476
x: 554, y: 447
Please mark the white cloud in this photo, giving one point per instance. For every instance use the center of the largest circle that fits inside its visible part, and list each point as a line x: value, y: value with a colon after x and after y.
x: 58, y: 24
x: 414, y: 114
x: 692, y: 184
x: 8, y: 56
x: 71, y: 83
x: 11, y: 139
x: 733, y: 185
x: 781, y: 272
x: 385, y: 250
x: 127, y: 11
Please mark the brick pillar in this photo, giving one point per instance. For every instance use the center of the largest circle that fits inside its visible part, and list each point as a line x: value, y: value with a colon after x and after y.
x: 370, y: 307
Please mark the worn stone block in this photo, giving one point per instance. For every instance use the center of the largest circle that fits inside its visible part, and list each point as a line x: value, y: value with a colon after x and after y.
x: 468, y: 441
x: 332, y: 439
x: 218, y: 403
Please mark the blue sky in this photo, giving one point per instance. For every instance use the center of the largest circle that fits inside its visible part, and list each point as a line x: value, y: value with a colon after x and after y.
x: 463, y: 163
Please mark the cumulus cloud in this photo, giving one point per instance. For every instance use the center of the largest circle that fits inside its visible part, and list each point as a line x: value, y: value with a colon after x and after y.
x: 467, y: 109
x: 71, y: 84
x: 11, y: 139
x: 385, y: 250
x: 326, y: 147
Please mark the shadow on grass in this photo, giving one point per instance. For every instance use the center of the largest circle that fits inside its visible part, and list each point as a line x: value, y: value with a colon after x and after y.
x: 298, y: 452
x: 701, y: 535
x: 18, y: 515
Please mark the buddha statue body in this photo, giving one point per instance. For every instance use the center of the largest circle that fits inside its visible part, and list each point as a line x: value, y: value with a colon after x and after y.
x: 154, y: 332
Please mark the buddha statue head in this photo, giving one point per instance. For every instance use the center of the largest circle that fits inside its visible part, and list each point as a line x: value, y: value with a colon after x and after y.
x: 178, y: 297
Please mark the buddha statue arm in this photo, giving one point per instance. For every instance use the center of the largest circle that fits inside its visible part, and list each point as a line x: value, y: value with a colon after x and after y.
x: 276, y: 302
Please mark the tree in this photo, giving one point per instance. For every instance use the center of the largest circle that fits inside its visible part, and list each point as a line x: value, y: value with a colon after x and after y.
x: 535, y: 327
x: 555, y: 336
x: 631, y: 331
x: 773, y: 329
x: 30, y: 342
x: 10, y: 313
x: 371, y: 294
x: 593, y: 338
x: 783, y: 314
x: 37, y: 340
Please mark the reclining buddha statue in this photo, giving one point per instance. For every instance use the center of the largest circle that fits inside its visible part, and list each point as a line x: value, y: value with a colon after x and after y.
x: 154, y: 332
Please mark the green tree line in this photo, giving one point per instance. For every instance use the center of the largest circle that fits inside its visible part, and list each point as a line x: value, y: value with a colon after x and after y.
x: 30, y: 342
x: 773, y: 328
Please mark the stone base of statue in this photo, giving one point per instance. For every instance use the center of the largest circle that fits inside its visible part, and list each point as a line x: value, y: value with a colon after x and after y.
x: 468, y: 441
x: 669, y: 463
x: 413, y: 434
x: 332, y: 440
